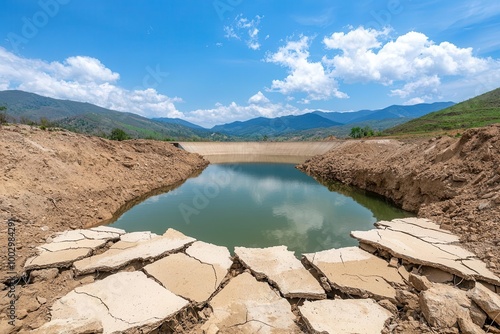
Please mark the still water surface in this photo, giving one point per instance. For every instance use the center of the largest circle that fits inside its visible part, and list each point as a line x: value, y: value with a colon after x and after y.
x: 260, y: 205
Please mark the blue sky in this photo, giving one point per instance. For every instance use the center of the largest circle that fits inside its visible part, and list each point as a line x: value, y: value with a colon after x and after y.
x: 218, y: 61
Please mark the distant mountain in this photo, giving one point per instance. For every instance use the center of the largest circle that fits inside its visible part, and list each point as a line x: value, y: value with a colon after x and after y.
x: 262, y: 126
x: 392, y: 112
x: 478, y: 111
x: 91, y: 119
x: 320, y: 124
x: 178, y: 121
x: 343, y: 117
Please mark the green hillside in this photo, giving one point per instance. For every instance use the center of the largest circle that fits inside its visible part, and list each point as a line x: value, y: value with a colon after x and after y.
x: 476, y: 112
x: 91, y: 119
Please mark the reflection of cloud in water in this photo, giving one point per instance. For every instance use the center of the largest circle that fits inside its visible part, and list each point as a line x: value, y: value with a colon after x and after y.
x: 301, y: 219
x: 263, y: 188
x: 308, y: 224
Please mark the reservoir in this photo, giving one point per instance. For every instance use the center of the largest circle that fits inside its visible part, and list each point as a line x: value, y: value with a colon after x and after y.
x: 260, y: 205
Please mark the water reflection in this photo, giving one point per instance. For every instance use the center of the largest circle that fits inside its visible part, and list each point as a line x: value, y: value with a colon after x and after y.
x: 260, y: 205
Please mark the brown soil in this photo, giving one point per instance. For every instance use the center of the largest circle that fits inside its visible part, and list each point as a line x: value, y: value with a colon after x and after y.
x: 452, y: 181
x: 54, y: 181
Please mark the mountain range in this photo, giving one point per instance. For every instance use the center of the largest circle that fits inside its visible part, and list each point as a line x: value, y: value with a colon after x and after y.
x: 307, y: 126
x: 91, y: 119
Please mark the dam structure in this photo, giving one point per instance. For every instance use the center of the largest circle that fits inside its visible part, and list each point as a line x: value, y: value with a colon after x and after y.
x: 276, y: 152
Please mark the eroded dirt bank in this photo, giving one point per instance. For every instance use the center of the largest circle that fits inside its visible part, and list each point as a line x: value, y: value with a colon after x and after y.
x: 452, y: 181
x: 54, y: 181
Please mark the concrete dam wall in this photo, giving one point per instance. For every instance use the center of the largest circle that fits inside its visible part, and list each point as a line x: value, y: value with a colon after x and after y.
x: 282, y: 152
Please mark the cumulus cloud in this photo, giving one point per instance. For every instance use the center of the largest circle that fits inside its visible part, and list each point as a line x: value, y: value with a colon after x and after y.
x: 245, y: 30
x: 411, y: 60
x: 258, y: 106
x: 258, y: 98
x: 82, y: 79
x: 304, y: 76
x: 423, y: 86
x: 414, y: 67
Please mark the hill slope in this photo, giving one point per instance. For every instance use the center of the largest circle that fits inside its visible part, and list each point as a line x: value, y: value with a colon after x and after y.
x: 177, y: 121
x: 91, y: 119
x: 478, y: 111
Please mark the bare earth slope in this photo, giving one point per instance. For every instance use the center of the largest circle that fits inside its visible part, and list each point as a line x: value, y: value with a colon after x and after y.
x: 453, y: 181
x: 54, y: 181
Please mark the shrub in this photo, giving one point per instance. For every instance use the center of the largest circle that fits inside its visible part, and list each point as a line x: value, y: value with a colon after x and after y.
x: 358, y: 132
x: 45, y: 123
x: 3, y: 115
x: 118, y: 134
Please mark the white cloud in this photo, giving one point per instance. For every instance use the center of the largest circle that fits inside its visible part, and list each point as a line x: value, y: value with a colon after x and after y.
x: 415, y: 100
x: 258, y: 98
x: 246, y: 30
x: 304, y: 76
x: 82, y: 79
x: 412, y: 60
x: 421, y: 86
x: 359, y: 40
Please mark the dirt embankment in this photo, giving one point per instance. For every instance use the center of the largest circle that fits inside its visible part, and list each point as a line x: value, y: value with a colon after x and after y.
x: 453, y: 181
x: 54, y: 181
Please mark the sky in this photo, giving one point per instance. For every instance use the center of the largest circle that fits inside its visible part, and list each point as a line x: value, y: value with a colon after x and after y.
x: 218, y: 61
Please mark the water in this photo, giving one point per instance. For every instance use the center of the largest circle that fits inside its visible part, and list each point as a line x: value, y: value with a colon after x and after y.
x: 260, y: 205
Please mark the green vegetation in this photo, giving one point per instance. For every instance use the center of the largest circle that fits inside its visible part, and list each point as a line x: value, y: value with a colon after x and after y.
x: 3, y: 115
x: 358, y: 132
x: 118, y: 134
x: 45, y: 124
x: 476, y: 112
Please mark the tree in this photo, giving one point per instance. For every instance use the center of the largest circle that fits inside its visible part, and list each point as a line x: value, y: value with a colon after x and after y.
x: 368, y: 132
x: 45, y: 123
x: 118, y: 134
x: 3, y: 115
x: 356, y: 132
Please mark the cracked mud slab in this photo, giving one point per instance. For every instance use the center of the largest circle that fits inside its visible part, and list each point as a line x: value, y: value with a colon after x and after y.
x: 281, y: 267
x: 356, y: 272
x: 138, y: 236
x: 70, y: 246
x: 195, y: 276
x: 124, y: 252
x: 344, y: 316
x: 60, y: 259
x: 448, y: 257
x: 121, y: 303
x: 424, y: 231
x: 245, y: 305
x: 209, y: 253
x: 95, y: 233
